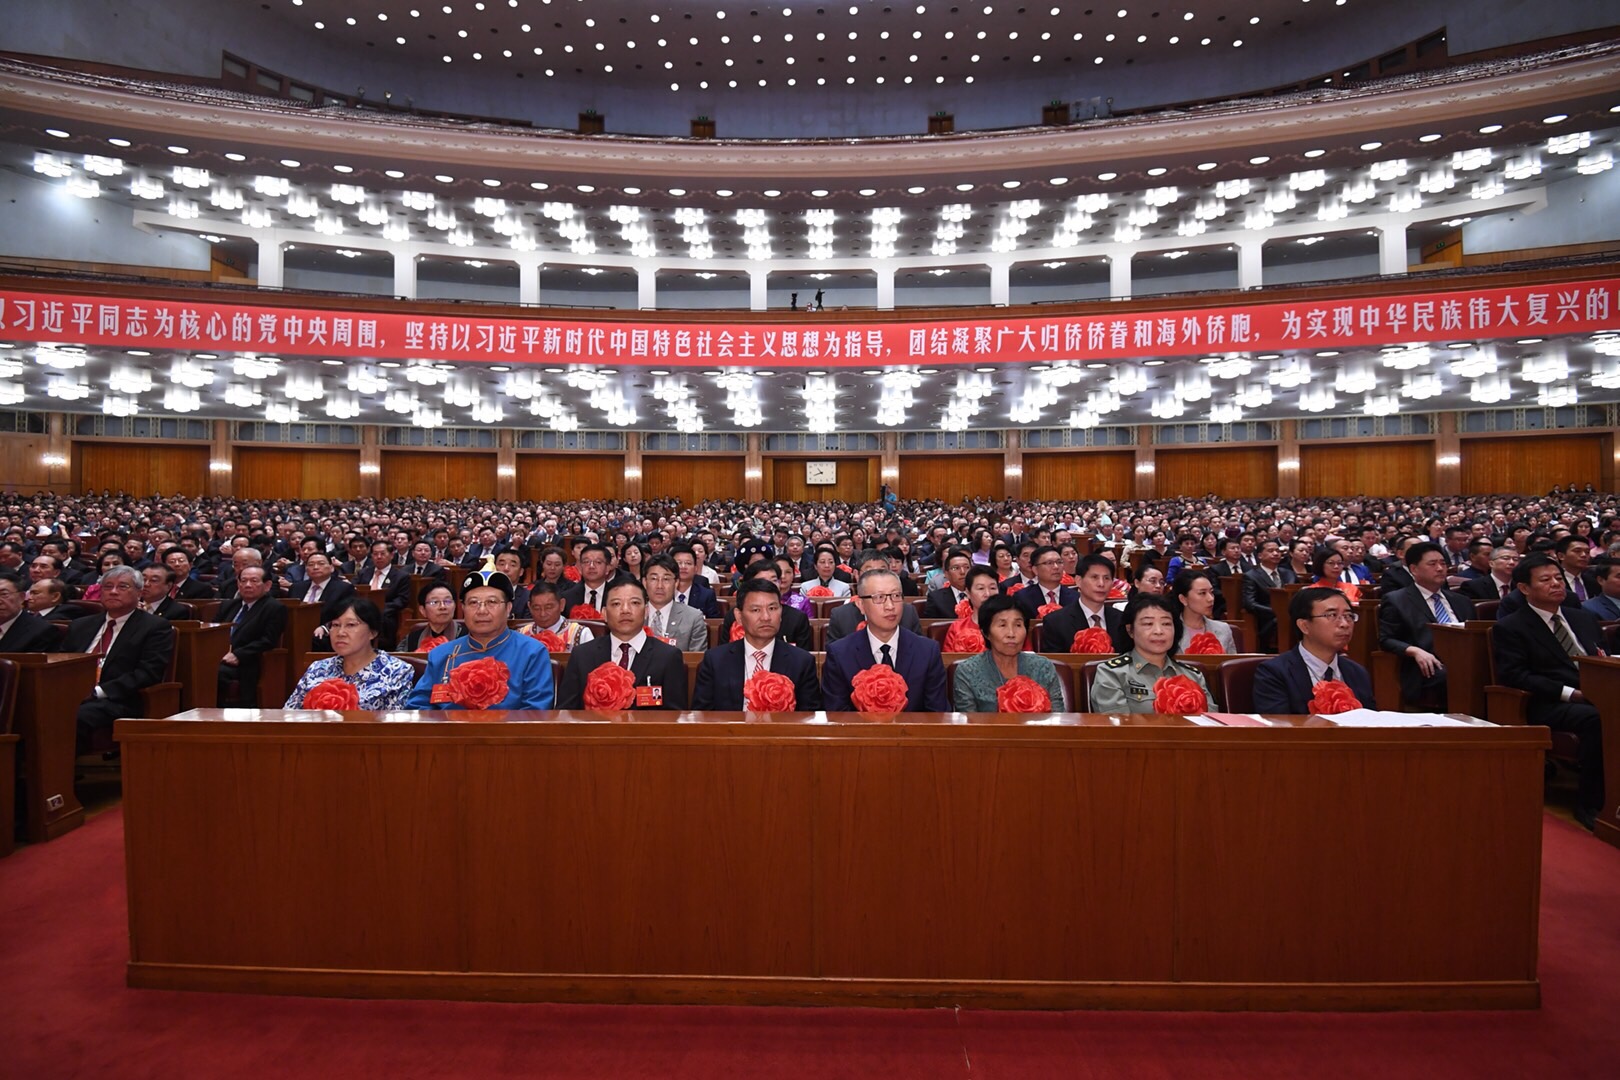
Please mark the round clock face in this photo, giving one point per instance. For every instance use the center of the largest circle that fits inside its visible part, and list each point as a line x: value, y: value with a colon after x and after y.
x: 820, y: 472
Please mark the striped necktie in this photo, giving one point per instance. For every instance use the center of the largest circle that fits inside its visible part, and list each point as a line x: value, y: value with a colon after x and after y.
x: 1565, y: 638
x: 1441, y: 615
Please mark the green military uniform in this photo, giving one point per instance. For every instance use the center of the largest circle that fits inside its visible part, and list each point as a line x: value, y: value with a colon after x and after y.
x: 1125, y: 683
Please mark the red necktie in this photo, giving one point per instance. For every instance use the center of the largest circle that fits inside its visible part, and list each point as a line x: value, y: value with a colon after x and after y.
x: 759, y: 661
x: 105, y: 640
x: 624, y: 655
x: 1051, y: 596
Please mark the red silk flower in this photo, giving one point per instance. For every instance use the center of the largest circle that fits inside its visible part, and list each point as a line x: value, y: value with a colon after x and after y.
x: 1178, y: 694
x: 1332, y: 697
x: 963, y: 636
x: 878, y: 689
x: 846, y: 568
x: 610, y: 688
x: 478, y: 684
x: 1094, y: 640
x: 1203, y: 643
x: 571, y: 573
x: 430, y: 642
x: 1046, y: 609
x: 817, y: 592
x: 769, y: 691
x: 584, y: 611
x: 549, y: 639
x: 1013, y: 589
x: 335, y: 694
x: 964, y: 609
x: 736, y: 630
x: 1067, y: 579
x: 1022, y: 694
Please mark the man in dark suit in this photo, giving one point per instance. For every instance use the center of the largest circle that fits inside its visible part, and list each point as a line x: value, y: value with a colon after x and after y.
x: 23, y: 631
x: 1048, y: 587
x: 691, y: 587
x: 595, y: 574
x: 795, y: 625
x: 725, y: 668
x: 136, y: 648
x: 659, y: 669
x: 1257, y: 585
x: 1606, y: 604
x: 941, y: 602
x: 156, y: 581
x: 1535, y: 650
x: 843, y: 619
x: 1575, y: 557
x: 1230, y: 564
x: 1286, y: 683
x: 915, y: 657
x: 421, y: 563
x: 184, y: 586
x: 47, y: 598
x: 1405, y: 619
x: 1095, y: 574
x: 257, y: 621
x: 1496, y: 585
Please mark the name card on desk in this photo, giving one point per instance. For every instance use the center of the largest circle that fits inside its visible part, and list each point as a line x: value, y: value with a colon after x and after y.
x: 1374, y: 718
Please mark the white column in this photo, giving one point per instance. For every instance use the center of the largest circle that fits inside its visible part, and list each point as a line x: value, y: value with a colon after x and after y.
x: 647, y: 287
x: 1119, y: 274
x: 1250, y: 272
x: 1000, y: 284
x: 405, y: 274
x: 1392, y: 249
x: 756, y: 289
x: 885, y: 289
x: 271, y: 275
x: 528, y: 281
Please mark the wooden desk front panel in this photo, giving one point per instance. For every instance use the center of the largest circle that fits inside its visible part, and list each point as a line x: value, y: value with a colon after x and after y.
x: 994, y: 863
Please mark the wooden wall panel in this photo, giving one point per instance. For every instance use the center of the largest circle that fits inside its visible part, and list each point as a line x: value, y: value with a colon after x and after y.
x: 288, y: 472
x: 140, y: 468
x: 1366, y: 468
x: 437, y: 475
x: 1532, y: 465
x: 1108, y: 474
x: 953, y: 477
x: 25, y: 469
x: 692, y: 478
x: 1232, y: 472
x: 569, y: 477
x: 859, y: 479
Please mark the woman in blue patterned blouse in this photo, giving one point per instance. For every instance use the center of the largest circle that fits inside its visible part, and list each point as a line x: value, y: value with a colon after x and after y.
x: 382, y: 681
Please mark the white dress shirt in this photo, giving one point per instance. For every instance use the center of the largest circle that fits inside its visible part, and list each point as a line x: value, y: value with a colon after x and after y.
x: 636, y: 644
x: 876, y: 644
x: 1567, y: 693
x: 749, y: 665
x: 1428, y: 602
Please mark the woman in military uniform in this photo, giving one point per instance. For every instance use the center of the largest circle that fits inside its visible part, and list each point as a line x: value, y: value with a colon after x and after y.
x: 1125, y: 683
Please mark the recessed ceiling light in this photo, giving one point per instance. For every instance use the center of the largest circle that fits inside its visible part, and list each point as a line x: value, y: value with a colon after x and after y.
x: 1371, y: 145
x: 676, y: 191
x: 394, y: 174
x: 724, y: 193
x: 539, y: 185
x: 915, y: 190
x: 1431, y: 137
x: 1314, y: 153
x: 343, y: 168
x: 1555, y: 118
x: 443, y: 179
x: 1106, y: 176
x: 119, y: 142
x: 1058, y: 180
x: 1157, y: 170
x: 818, y: 193
x: 1206, y: 166
x: 178, y: 150
x: 964, y: 187
x: 867, y: 191
x: 632, y: 191
x: 57, y: 133
x: 1260, y: 159
x: 1490, y: 129
x: 491, y: 183
x: 286, y: 162
x: 586, y: 188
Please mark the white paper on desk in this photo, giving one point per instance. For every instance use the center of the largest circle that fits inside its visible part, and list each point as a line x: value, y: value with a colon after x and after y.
x: 1204, y: 721
x: 1374, y: 718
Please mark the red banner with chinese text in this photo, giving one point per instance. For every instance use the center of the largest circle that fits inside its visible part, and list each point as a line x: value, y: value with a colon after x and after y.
x: 814, y: 340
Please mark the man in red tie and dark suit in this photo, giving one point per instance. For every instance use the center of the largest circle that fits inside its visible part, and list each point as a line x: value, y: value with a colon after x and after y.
x: 135, y: 649
x: 725, y: 668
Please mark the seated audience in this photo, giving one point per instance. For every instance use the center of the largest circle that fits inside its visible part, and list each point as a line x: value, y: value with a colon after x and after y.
x: 1535, y: 650
x: 1194, y: 593
x: 726, y: 668
x: 257, y: 621
x: 135, y: 649
x: 825, y: 576
x: 658, y: 669
x: 1606, y: 604
x: 436, y: 602
x: 23, y: 631
x: 1327, y: 572
x: 518, y: 678
x: 380, y: 681
x: 914, y: 657
x: 1405, y: 618
x: 844, y: 619
x: 1125, y: 684
x: 157, y: 584
x: 681, y: 625
x: 1089, y: 612
x: 794, y: 625
x: 942, y: 601
x: 1325, y: 622
x: 1004, y: 623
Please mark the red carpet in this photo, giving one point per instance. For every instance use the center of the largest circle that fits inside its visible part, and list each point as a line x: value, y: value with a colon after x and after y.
x: 64, y: 1012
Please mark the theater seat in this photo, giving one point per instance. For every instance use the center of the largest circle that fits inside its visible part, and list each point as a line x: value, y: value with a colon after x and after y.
x: 1237, y: 683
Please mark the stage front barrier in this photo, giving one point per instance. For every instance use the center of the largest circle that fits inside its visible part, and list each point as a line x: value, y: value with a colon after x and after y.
x: 1055, y: 861
x: 50, y: 687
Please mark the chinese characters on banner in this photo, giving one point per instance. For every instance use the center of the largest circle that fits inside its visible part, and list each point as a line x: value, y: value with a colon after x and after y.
x: 813, y: 340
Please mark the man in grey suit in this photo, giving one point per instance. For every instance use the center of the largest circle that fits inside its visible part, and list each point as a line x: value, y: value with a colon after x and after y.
x: 682, y: 624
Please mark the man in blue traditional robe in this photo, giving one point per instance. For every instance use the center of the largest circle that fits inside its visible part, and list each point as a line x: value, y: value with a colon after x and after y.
x: 486, y: 598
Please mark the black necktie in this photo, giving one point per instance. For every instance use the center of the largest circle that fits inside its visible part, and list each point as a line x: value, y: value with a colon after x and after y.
x: 887, y: 660
x: 1330, y: 674
x: 593, y: 598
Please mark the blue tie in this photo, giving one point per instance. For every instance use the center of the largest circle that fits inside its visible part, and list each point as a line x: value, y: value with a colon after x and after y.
x: 1441, y: 615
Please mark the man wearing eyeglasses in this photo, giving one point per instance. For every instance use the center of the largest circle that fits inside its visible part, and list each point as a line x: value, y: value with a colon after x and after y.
x: 845, y: 619
x: 1048, y: 587
x: 884, y: 641
x: 1286, y: 683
